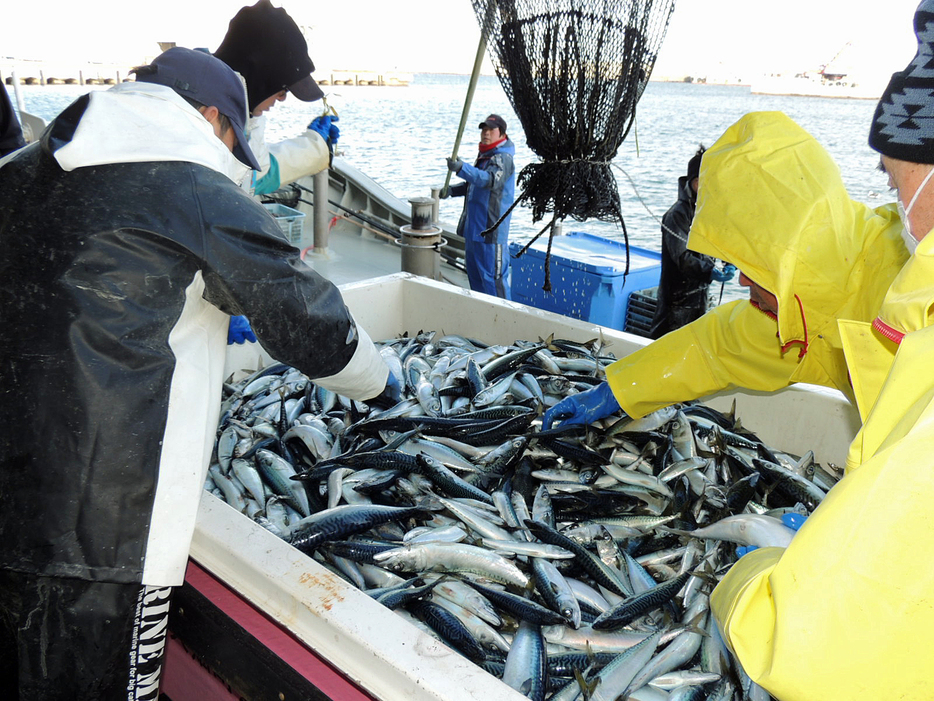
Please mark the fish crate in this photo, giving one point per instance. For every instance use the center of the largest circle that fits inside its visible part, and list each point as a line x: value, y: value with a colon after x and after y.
x: 374, y: 648
x: 641, y: 312
x: 588, y: 277
x: 290, y: 221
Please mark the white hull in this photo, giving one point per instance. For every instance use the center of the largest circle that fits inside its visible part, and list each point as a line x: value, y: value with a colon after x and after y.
x: 805, y: 87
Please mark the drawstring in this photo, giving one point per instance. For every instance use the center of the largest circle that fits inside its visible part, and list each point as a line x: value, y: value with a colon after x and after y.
x: 804, y: 343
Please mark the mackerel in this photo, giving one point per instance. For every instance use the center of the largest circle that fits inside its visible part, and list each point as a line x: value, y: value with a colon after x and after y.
x: 640, y: 604
x: 341, y: 521
x: 590, y: 562
x: 278, y: 474
x: 453, y: 557
x: 525, y: 663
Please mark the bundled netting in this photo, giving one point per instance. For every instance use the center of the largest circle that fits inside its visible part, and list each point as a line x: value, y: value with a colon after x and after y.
x: 574, y: 71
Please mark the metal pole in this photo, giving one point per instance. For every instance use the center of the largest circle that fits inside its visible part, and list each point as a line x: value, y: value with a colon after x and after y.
x: 19, y: 95
x: 321, y: 211
x: 475, y: 74
x: 436, y: 205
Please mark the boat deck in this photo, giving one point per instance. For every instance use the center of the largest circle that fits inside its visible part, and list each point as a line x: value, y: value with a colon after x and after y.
x: 355, y: 257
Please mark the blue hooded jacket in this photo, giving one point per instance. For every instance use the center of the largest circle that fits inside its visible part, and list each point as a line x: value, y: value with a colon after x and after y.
x: 490, y: 188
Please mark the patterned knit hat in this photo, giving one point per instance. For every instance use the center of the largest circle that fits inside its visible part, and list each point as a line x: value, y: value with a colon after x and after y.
x: 903, y: 125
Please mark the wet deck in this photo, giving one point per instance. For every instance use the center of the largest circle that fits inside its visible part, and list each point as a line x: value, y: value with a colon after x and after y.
x: 355, y: 257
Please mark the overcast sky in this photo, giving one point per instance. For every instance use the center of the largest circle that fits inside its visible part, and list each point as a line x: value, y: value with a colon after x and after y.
x: 739, y: 36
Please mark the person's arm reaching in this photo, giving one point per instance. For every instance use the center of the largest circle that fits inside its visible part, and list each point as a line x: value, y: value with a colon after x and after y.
x: 298, y: 316
x: 733, y: 345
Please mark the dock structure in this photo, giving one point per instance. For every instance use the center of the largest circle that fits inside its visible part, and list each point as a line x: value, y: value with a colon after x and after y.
x: 63, y: 72
x: 89, y: 73
x: 377, y: 78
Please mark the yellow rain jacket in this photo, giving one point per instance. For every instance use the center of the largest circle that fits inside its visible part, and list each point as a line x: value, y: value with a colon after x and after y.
x: 847, y: 610
x: 871, y: 348
x: 771, y: 201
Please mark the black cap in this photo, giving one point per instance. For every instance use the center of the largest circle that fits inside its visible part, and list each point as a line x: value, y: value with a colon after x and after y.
x: 494, y: 121
x: 903, y: 125
x: 206, y: 80
x: 266, y: 47
x: 694, y: 164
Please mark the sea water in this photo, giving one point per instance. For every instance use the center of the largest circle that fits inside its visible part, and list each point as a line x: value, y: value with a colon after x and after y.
x: 400, y: 137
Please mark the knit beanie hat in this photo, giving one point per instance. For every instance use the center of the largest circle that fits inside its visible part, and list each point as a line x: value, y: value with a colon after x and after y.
x: 903, y: 125
x: 266, y: 47
x: 694, y: 163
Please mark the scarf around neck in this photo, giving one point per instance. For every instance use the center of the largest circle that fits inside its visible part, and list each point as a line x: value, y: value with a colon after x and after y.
x: 489, y: 147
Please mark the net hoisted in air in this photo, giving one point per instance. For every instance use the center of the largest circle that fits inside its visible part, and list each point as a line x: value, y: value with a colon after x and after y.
x: 573, y: 71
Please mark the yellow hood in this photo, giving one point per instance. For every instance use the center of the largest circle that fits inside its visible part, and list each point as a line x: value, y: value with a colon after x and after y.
x: 772, y: 202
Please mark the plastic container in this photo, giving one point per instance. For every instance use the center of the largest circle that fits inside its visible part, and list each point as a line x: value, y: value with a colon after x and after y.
x: 588, y: 279
x: 289, y: 220
x: 641, y: 312
x: 370, y: 645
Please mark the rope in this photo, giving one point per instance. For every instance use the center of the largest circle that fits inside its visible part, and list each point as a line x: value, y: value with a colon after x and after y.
x: 573, y: 71
x: 652, y: 214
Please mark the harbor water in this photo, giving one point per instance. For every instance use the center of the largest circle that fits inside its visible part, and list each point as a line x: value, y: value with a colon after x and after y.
x: 400, y: 136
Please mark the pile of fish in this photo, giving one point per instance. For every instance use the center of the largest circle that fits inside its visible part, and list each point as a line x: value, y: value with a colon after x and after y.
x: 574, y: 563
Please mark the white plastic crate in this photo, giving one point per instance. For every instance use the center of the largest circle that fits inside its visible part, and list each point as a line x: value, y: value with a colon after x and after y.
x: 289, y: 220
x: 375, y: 648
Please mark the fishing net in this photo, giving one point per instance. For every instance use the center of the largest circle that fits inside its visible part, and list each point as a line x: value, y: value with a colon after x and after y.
x: 573, y: 71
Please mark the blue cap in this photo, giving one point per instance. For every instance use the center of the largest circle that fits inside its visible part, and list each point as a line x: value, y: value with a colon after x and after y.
x: 207, y: 80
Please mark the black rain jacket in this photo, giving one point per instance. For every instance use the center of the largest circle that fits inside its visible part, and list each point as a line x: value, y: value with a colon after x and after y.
x: 685, y: 276
x: 118, y: 280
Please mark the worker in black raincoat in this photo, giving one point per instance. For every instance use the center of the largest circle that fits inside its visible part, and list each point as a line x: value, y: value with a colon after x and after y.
x: 686, y: 275
x: 126, y: 246
x: 11, y: 133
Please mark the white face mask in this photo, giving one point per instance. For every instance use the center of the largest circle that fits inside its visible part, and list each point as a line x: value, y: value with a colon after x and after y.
x: 911, y: 243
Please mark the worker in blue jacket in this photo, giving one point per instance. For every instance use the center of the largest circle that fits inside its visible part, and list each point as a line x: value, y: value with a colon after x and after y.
x: 490, y: 188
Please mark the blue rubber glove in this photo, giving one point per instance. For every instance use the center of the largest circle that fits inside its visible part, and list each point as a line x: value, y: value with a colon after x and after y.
x: 583, y: 408
x: 326, y: 127
x: 239, y: 330
x: 793, y: 521
x: 724, y: 275
x: 455, y: 165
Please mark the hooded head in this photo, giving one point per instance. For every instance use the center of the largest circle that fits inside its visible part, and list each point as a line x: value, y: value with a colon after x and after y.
x: 772, y: 202
x: 266, y: 47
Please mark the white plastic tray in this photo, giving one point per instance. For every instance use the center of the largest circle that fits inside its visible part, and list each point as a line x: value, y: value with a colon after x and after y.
x: 378, y: 650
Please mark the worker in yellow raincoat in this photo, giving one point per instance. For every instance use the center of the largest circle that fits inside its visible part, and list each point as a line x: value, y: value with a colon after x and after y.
x: 771, y: 201
x: 847, y: 610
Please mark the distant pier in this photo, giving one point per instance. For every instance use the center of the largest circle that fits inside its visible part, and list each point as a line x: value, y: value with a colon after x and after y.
x: 64, y: 72
x: 387, y: 78
x: 73, y: 73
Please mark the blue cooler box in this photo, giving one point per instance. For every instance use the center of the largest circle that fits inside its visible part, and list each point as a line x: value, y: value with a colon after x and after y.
x: 587, y: 280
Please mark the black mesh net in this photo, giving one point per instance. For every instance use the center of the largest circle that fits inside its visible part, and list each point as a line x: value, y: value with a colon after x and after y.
x: 573, y: 71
